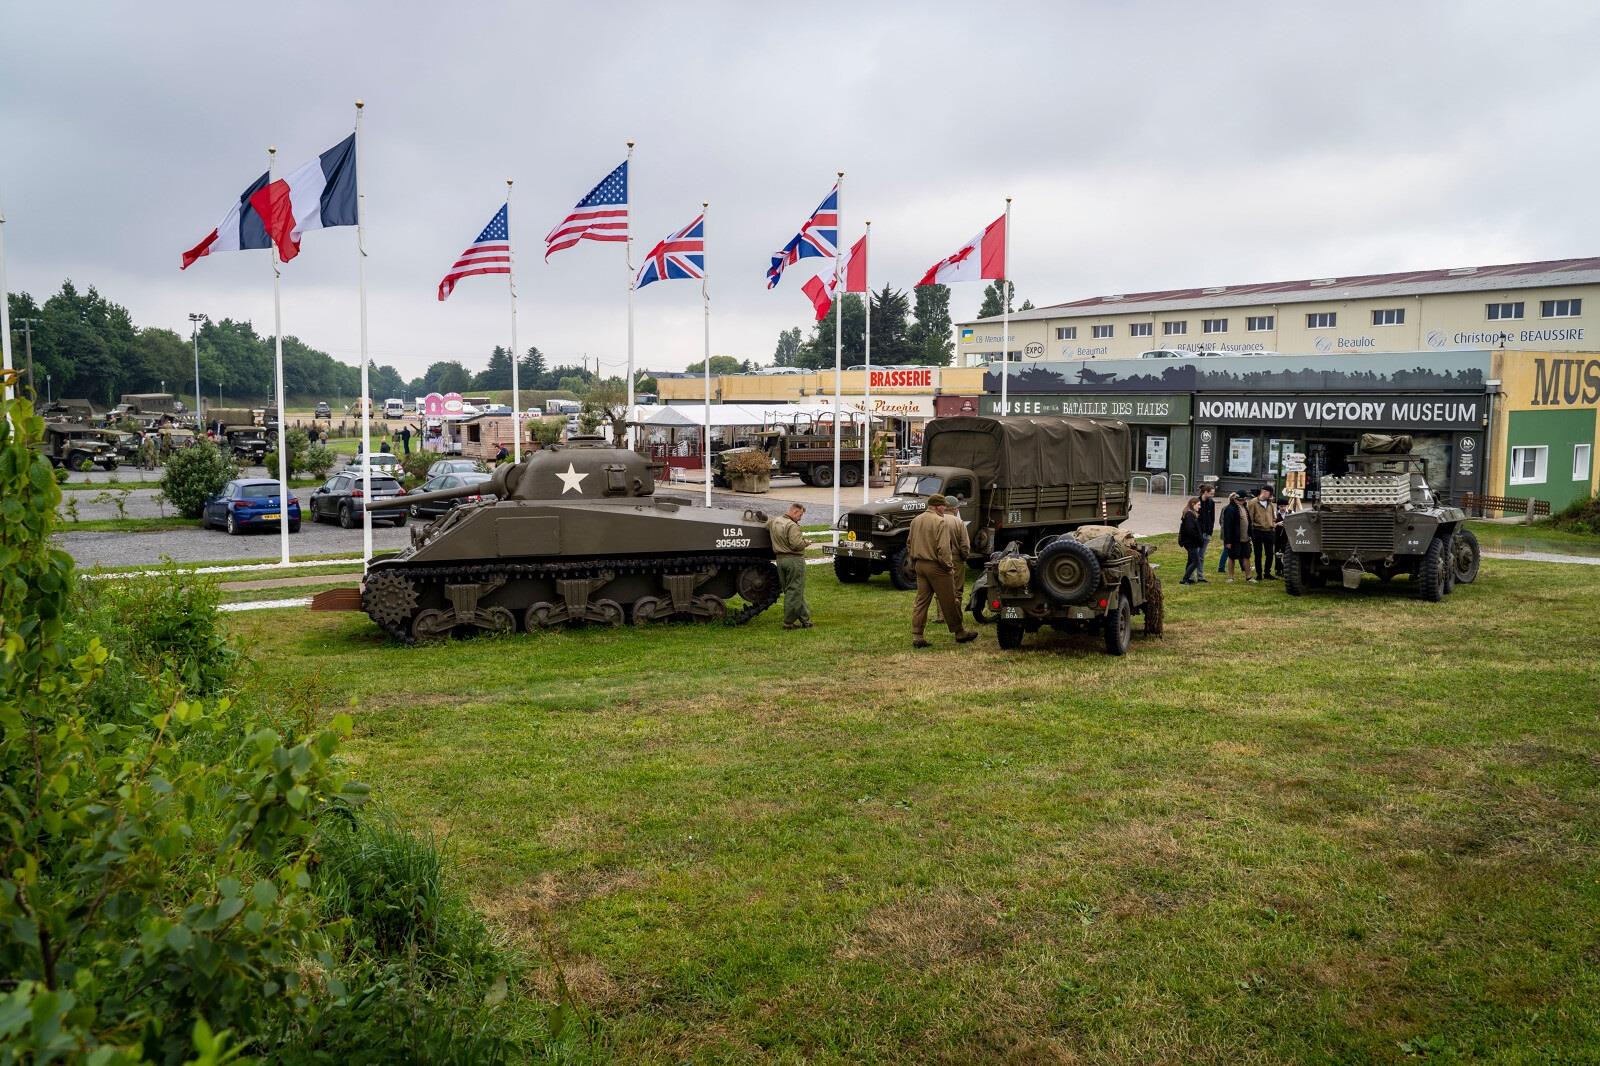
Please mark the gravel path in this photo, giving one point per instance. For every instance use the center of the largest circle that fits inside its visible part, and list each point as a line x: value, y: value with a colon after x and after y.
x: 1544, y: 557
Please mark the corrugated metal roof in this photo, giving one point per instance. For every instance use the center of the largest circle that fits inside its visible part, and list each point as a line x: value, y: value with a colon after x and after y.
x: 1358, y: 287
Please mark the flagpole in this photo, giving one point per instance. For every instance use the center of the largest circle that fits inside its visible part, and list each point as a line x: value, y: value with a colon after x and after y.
x: 838, y: 337
x: 516, y: 381
x: 5, y: 320
x: 705, y: 297
x: 1005, y: 312
x: 866, y: 403
x: 628, y: 413
x: 277, y: 344
x: 366, y: 395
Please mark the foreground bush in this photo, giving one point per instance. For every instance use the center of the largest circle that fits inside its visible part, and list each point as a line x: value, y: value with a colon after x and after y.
x: 1582, y: 516
x: 193, y: 475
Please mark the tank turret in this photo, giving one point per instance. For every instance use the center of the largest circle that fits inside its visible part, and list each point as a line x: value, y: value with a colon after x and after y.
x: 573, y: 535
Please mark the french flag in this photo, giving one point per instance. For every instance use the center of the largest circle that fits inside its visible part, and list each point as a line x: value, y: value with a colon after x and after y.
x: 319, y: 195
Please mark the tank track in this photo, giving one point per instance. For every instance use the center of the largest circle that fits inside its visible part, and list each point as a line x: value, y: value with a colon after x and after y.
x: 392, y: 604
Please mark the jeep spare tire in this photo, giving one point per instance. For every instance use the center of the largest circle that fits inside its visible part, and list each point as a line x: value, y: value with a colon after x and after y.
x: 1067, y: 571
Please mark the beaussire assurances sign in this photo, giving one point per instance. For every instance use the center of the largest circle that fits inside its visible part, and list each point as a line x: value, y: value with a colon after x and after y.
x: 1343, y: 412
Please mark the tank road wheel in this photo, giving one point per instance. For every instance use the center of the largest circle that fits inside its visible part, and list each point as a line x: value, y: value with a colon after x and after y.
x: 647, y: 609
x: 539, y: 616
x: 1068, y: 571
x: 610, y: 612
x: 1155, y: 607
x: 849, y: 475
x: 822, y: 475
x: 389, y: 598
x: 1431, y: 574
x: 1118, y: 628
x: 1294, y: 568
x: 710, y: 608
x: 902, y: 571
x: 1009, y: 634
x: 851, y: 571
x: 497, y: 619
x: 432, y: 624
x: 1465, y: 556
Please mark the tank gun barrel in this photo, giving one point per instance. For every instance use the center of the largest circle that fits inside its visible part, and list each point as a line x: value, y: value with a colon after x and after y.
x: 495, y: 486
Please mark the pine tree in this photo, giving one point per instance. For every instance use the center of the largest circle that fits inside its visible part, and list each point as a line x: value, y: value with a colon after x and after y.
x: 531, y: 371
x: 790, y: 342
x: 991, y: 307
x: 891, y: 340
x: 497, y: 375
x: 929, y: 335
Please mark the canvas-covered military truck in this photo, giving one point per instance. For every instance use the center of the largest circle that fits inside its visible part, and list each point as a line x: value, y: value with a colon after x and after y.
x: 147, y: 406
x: 1018, y: 479
x: 76, y: 445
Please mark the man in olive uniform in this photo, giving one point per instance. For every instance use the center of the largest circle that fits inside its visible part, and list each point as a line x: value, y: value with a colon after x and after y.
x: 932, y: 547
x: 961, y: 543
x: 789, y: 544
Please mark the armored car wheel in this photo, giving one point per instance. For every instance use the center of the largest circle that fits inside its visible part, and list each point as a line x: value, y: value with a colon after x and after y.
x: 1433, y: 572
x: 1009, y: 634
x: 1294, y: 570
x: 851, y: 571
x: 902, y: 571
x: 1118, y: 626
x: 1466, y: 556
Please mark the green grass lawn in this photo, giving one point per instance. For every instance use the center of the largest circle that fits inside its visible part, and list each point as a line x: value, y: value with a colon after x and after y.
x: 1348, y: 827
x: 1538, y: 537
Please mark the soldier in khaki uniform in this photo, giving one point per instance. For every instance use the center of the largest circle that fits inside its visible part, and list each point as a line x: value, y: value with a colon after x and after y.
x: 932, y: 547
x: 789, y: 545
x: 962, y: 545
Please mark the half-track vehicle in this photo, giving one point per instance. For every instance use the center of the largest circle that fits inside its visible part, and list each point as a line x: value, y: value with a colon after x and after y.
x: 572, y: 535
x: 76, y: 444
x: 1010, y: 479
x: 1380, y: 518
x: 1095, y: 578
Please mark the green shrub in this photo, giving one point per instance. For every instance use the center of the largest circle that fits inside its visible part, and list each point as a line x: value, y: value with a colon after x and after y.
x: 318, y: 460
x: 164, y: 624
x: 195, y: 474
x: 298, y: 443
x: 1582, y: 516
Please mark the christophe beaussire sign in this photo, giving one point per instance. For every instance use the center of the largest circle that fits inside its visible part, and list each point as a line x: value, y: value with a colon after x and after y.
x: 1344, y: 412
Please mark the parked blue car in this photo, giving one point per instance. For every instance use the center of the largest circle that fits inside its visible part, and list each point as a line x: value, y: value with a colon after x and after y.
x: 249, y: 503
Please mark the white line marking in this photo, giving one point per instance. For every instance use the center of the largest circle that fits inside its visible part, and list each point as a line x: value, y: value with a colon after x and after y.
x: 236, y: 569
x: 265, y: 605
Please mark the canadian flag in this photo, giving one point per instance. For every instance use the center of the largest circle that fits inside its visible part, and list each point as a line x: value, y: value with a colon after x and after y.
x: 981, y: 259
x: 820, y: 292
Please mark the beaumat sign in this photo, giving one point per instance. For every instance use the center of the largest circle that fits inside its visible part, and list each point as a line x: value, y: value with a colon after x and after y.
x: 1344, y: 412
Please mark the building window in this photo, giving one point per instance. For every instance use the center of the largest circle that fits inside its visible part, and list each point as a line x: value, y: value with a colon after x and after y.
x: 1501, y: 312
x: 1174, y: 329
x: 1260, y: 323
x: 1101, y: 333
x: 1580, y: 462
x: 1560, y: 308
x: 1528, y: 464
x: 1389, y: 316
x: 1322, y: 320
x: 1139, y: 329
x: 1214, y: 325
x: 1066, y: 333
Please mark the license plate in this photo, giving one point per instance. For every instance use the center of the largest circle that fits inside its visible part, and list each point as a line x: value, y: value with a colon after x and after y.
x: 1011, y: 612
x: 850, y: 536
x: 271, y: 517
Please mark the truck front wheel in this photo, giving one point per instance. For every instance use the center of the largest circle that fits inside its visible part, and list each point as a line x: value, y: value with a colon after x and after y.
x: 822, y: 475
x: 851, y: 571
x: 902, y: 572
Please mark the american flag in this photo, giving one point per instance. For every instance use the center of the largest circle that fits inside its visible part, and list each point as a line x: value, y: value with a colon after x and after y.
x: 489, y: 253
x: 818, y: 237
x: 681, y: 254
x: 600, y: 216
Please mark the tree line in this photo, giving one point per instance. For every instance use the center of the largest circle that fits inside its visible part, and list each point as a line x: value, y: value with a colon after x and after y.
x: 906, y: 329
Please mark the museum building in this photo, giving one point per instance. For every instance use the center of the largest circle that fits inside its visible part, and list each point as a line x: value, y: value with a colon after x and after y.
x: 1552, y: 305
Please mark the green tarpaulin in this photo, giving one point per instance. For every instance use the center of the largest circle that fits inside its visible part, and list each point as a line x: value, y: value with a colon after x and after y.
x: 1024, y: 452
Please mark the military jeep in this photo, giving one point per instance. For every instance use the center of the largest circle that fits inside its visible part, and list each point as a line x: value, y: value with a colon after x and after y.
x: 74, y: 444
x: 1381, y: 518
x: 1093, y: 578
x: 247, y: 443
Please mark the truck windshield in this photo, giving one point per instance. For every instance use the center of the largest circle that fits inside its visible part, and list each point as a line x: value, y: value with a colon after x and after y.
x: 918, y: 485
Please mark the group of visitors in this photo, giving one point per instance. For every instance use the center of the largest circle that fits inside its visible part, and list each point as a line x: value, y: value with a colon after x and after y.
x: 938, y: 544
x: 1251, y: 526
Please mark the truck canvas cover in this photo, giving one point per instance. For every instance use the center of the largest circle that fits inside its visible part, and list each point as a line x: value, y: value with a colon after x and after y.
x: 1027, y: 452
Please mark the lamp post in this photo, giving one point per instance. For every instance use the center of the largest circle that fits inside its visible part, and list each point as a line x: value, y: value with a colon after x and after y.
x: 194, y: 329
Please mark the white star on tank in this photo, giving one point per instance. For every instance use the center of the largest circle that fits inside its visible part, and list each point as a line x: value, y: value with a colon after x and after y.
x: 571, y: 481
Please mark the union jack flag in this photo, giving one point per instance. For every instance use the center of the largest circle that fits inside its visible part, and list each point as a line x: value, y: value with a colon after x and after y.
x: 818, y: 238
x: 681, y: 254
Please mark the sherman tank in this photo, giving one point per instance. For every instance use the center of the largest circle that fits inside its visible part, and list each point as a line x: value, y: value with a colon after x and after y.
x: 570, y: 535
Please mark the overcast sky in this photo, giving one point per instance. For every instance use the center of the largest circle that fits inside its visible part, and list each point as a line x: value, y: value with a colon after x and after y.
x: 1148, y: 146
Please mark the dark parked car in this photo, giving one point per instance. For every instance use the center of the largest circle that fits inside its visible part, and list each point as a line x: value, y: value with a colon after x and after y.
x: 339, y: 499
x: 435, y: 508
x: 322, y: 410
x: 248, y: 503
x: 455, y: 466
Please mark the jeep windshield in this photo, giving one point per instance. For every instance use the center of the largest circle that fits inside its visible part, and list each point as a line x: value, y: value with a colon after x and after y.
x: 918, y: 485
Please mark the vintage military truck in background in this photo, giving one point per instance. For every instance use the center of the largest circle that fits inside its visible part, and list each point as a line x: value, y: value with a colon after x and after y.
x: 1095, y: 577
x: 1013, y: 479
x: 1380, y: 518
x: 75, y: 445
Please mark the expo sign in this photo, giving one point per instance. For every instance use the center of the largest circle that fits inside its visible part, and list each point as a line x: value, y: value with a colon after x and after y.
x: 895, y: 378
